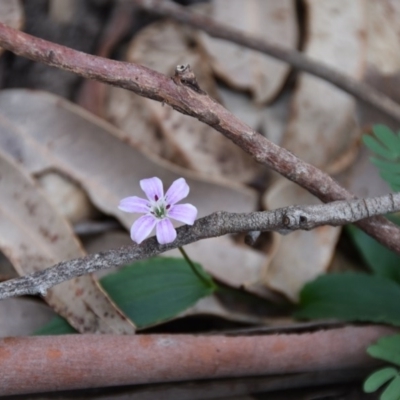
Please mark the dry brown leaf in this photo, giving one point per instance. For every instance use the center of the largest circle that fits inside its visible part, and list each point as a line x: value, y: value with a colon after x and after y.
x: 89, y: 151
x: 383, y: 73
x: 322, y: 122
x: 383, y: 36
x: 246, y: 69
x: 241, y: 106
x: 62, y: 11
x: 275, y: 118
x: 302, y: 255
x: 383, y: 69
x: 362, y: 178
x: 22, y: 317
x: 11, y: 14
x: 66, y: 196
x: 129, y: 112
x: 34, y: 236
x: 235, y: 265
x: 221, y: 254
x: 162, y: 46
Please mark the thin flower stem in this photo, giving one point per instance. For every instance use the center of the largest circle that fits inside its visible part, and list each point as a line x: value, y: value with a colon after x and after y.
x: 208, y: 282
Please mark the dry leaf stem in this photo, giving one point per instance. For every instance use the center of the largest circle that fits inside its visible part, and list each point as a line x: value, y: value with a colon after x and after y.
x: 220, y: 223
x: 362, y: 91
x: 182, y: 95
x: 42, y: 364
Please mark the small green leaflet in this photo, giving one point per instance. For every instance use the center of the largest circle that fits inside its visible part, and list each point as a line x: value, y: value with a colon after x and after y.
x: 351, y: 297
x: 386, y: 145
x: 149, y: 292
x: 379, y: 378
x: 387, y: 349
x: 379, y: 258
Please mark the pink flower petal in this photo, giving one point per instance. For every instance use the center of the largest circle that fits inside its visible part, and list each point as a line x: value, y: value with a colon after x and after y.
x: 185, y: 213
x: 153, y: 187
x: 166, y: 233
x: 142, y: 228
x: 134, y: 205
x: 177, y: 191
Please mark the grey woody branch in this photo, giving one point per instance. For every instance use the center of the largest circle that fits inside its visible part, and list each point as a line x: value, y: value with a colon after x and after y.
x: 362, y: 91
x: 221, y: 223
x: 184, y: 97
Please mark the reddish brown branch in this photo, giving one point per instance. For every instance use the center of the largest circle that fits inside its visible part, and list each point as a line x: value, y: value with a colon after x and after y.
x: 181, y: 96
x: 362, y: 91
x: 54, y: 363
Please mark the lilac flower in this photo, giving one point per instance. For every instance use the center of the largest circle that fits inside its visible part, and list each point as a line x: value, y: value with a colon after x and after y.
x: 158, y: 209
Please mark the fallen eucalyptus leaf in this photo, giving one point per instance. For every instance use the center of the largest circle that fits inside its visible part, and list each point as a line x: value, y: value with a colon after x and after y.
x: 162, y: 46
x: 69, y: 199
x: 322, y: 123
x: 383, y: 36
x: 237, y: 266
x: 12, y: 14
x: 89, y: 151
x: 247, y: 69
x: 21, y: 316
x: 302, y: 255
x: 383, y: 59
x: 34, y: 237
x: 150, y: 292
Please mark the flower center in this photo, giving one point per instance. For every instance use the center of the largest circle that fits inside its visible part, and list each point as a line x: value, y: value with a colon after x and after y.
x: 159, y: 209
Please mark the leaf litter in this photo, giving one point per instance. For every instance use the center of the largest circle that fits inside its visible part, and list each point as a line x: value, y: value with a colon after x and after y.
x: 89, y: 151
x: 34, y: 237
x: 247, y: 69
x: 185, y: 141
x: 151, y: 128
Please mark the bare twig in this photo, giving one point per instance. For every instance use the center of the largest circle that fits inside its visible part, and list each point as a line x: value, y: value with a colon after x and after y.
x: 180, y: 94
x: 362, y: 91
x: 41, y: 364
x: 221, y: 223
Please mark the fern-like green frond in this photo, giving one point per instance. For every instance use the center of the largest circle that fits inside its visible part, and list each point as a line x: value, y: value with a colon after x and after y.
x: 386, y: 145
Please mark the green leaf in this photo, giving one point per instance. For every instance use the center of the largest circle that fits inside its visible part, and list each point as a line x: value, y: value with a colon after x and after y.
x: 377, y: 147
x: 387, y: 349
x: 150, y: 292
x: 351, y: 297
x: 378, y: 378
x: 388, y: 138
x: 393, y: 179
x: 386, y: 166
x: 155, y: 290
x: 57, y: 326
x: 378, y: 258
x: 392, y: 392
x: 385, y: 144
